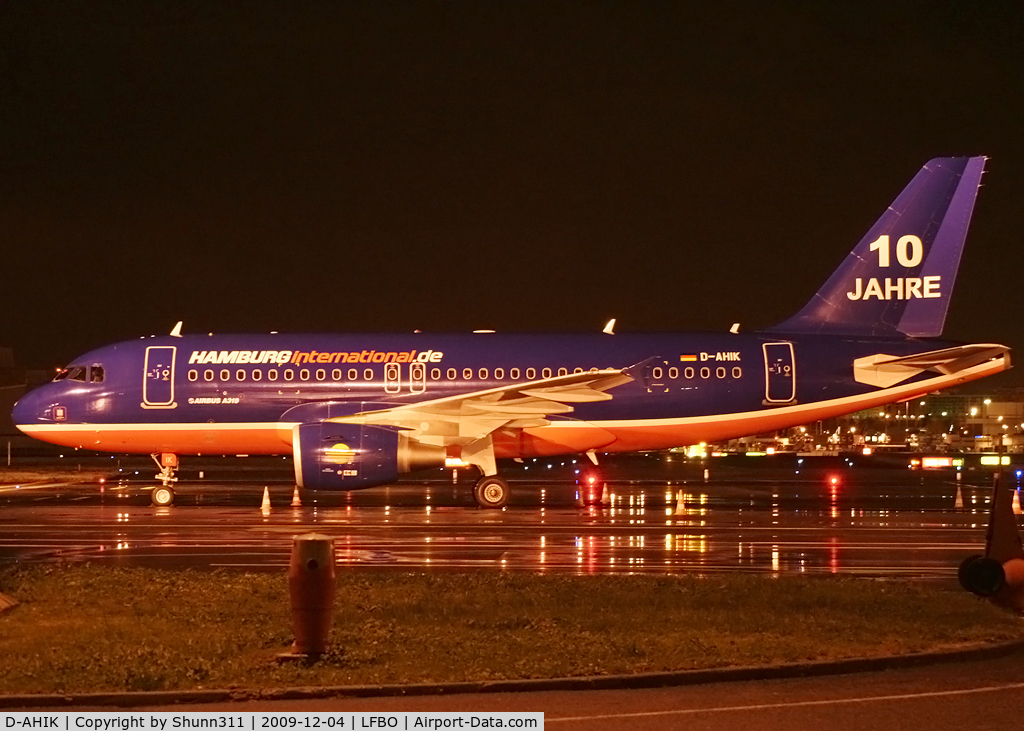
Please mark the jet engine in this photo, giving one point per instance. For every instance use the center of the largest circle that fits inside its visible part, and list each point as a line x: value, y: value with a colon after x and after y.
x: 330, y: 456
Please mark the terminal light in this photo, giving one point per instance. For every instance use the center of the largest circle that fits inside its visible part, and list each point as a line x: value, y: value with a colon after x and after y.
x: 990, y: 460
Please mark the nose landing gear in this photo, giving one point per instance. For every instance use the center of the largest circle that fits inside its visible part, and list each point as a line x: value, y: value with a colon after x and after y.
x: 163, y: 496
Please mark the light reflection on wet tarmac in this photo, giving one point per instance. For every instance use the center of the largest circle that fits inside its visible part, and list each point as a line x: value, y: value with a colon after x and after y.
x: 905, y: 528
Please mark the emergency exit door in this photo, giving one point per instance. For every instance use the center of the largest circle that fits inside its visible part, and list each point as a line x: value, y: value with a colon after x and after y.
x: 780, y: 373
x: 158, y: 379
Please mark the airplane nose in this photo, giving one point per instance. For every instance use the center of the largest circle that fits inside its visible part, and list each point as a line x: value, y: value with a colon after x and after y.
x: 26, y: 410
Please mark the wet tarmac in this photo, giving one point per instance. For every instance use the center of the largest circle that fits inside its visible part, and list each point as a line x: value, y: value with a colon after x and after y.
x: 829, y: 518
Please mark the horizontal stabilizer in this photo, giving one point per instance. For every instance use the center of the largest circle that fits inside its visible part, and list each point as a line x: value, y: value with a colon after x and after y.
x: 883, y: 370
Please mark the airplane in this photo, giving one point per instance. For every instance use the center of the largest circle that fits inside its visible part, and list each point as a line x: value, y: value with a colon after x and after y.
x: 358, y: 410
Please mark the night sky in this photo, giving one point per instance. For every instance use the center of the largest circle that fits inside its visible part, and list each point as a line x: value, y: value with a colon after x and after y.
x: 515, y: 166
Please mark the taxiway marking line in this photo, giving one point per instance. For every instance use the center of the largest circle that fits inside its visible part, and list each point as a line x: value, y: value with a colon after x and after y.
x: 794, y: 704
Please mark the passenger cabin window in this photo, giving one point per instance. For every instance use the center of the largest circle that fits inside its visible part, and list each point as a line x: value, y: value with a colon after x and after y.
x: 452, y: 374
x: 321, y: 374
x: 483, y: 374
x: 673, y: 372
x: 193, y: 375
x: 577, y: 370
x: 514, y: 374
x: 96, y: 374
x: 240, y: 374
x: 531, y: 373
x: 207, y: 375
x: 353, y: 374
x: 546, y: 373
x: 656, y: 373
x: 563, y: 371
x: 257, y: 374
x: 304, y: 374
x: 272, y: 374
x: 336, y: 374
x: 737, y: 372
x: 289, y: 374
x: 225, y: 375
x: 435, y: 374
x: 499, y: 374
x: 368, y: 374
x: 688, y: 373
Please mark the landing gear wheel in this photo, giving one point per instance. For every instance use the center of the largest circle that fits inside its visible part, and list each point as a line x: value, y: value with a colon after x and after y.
x: 491, y: 492
x: 163, y: 496
x: 981, y: 576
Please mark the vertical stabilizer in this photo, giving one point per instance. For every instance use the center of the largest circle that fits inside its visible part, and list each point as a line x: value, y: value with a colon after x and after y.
x: 899, y: 278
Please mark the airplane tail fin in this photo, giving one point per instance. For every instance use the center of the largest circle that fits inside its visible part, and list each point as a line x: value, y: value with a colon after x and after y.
x: 899, y: 278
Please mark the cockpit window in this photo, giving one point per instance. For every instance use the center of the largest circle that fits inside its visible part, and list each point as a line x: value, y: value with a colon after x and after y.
x: 96, y: 374
x: 72, y: 373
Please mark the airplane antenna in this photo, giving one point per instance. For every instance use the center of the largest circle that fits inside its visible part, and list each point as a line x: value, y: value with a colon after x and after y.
x: 735, y: 328
x: 176, y: 332
x: 609, y: 329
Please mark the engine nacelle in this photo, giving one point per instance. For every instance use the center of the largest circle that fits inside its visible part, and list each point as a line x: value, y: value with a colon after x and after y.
x: 331, y: 456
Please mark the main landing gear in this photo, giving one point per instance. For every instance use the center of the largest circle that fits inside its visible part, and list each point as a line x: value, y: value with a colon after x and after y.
x: 163, y: 496
x: 491, y: 492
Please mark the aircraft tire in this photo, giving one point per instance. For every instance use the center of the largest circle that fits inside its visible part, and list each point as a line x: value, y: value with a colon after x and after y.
x: 491, y: 492
x: 981, y: 576
x: 162, y: 496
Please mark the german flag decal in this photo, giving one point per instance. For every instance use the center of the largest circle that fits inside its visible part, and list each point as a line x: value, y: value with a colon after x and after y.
x: 688, y: 358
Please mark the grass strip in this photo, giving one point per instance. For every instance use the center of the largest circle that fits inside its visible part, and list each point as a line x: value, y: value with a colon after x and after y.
x: 85, y: 628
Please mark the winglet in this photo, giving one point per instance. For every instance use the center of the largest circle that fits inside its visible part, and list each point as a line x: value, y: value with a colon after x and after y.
x: 609, y: 329
x: 176, y: 332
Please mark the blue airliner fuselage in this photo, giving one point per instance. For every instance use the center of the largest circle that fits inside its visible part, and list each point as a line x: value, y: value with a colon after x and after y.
x: 357, y: 410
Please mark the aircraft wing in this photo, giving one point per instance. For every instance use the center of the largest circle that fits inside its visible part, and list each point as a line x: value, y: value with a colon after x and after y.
x: 886, y: 370
x: 466, y: 418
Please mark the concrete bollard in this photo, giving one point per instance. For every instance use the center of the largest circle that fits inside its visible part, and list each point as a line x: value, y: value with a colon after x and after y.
x: 311, y: 583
